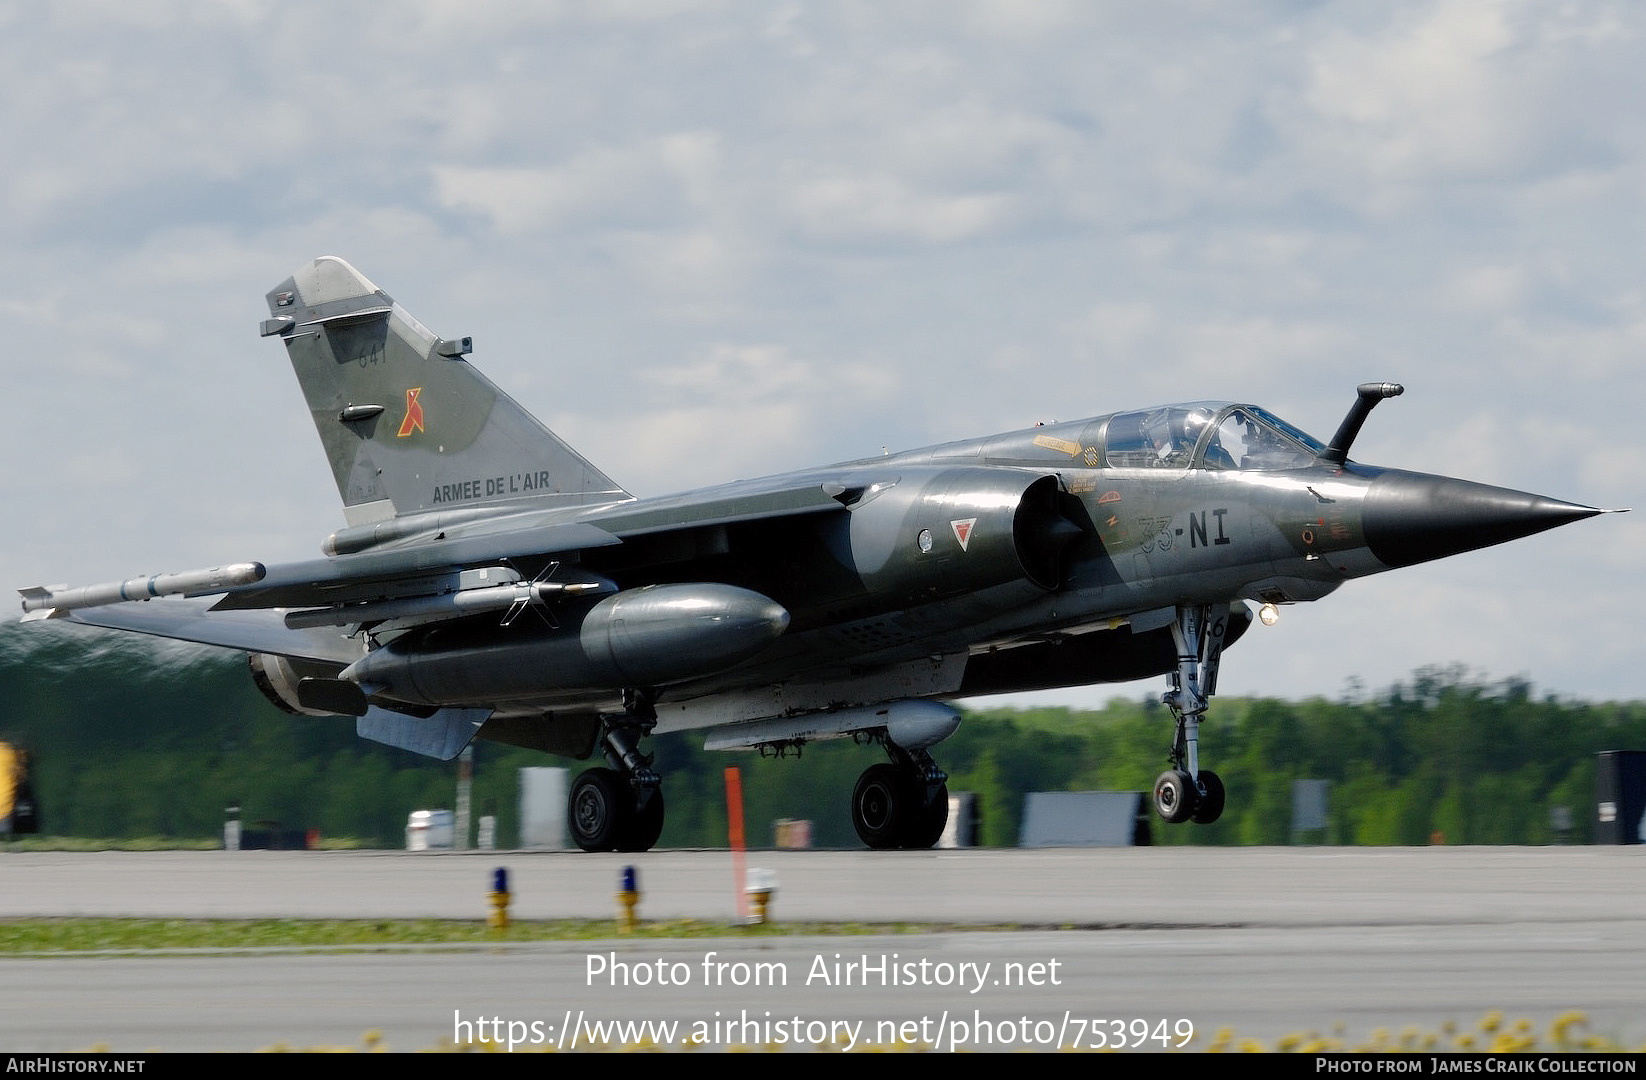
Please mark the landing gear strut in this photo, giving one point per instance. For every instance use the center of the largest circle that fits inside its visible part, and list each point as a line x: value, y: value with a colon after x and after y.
x: 619, y: 808
x: 901, y: 805
x: 1186, y: 791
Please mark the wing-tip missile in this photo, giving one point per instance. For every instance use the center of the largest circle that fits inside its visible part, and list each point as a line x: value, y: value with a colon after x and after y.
x: 40, y: 601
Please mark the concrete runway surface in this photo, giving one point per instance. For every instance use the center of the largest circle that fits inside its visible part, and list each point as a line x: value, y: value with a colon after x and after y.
x: 1134, y: 945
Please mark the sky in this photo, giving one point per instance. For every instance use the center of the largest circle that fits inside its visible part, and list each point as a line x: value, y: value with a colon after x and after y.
x: 705, y: 241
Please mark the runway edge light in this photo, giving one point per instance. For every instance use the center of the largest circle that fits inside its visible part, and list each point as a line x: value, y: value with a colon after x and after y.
x: 499, y: 917
x: 762, y: 886
x: 628, y: 895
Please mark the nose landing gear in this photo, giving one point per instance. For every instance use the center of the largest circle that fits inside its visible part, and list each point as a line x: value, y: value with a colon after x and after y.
x: 1186, y: 791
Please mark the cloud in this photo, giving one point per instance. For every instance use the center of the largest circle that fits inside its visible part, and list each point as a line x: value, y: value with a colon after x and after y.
x: 1460, y: 90
x: 876, y: 208
x: 1174, y: 350
x: 734, y: 411
x: 605, y: 185
x: 1486, y: 288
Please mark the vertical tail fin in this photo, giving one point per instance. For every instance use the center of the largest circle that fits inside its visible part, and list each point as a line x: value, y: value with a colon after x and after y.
x: 408, y: 424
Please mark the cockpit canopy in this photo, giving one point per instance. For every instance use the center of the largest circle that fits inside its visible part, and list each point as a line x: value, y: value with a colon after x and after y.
x: 1208, y: 435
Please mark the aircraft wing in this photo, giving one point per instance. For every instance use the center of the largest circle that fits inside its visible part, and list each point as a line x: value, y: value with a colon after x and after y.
x: 362, y: 575
x: 490, y: 541
x: 415, y: 563
x: 193, y: 620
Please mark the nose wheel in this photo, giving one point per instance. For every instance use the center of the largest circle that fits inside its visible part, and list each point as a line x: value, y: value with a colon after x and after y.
x: 1209, y: 806
x: 1177, y: 798
x: 1174, y: 796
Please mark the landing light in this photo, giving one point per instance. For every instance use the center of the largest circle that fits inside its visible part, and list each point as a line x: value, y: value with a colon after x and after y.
x: 1268, y: 614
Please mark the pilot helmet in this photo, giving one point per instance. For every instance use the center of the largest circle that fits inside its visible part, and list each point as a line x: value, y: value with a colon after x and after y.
x: 1197, y: 420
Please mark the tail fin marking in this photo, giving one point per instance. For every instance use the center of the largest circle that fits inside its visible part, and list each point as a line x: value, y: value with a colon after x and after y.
x: 407, y: 424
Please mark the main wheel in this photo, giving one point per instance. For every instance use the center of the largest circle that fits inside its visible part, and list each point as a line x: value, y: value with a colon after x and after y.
x: 645, y: 825
x: 924, y: 826
x: 1175, y: 796
x: 598, y: 809
x: 880, y: 806
x: 1211, y: 803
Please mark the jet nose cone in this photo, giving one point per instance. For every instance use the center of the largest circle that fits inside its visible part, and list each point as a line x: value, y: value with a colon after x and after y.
x: 1411, y: 518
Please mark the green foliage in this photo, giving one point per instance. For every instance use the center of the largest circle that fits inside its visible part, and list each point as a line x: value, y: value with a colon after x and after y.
x: 137, y: 739
x: 89, y: 937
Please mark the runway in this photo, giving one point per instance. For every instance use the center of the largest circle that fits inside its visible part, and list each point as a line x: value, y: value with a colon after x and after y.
x: 1267, y: 942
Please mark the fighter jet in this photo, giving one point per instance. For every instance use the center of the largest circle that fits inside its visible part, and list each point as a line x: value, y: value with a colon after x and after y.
x: 491, y: 583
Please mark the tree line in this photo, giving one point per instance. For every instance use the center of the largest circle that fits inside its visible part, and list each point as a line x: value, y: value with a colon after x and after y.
x: 132, y: 738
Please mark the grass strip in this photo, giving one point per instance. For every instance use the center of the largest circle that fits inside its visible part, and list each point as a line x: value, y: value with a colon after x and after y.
x: 37, y: 938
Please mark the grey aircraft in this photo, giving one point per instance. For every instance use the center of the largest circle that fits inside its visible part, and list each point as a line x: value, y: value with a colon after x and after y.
x: 491, y: 583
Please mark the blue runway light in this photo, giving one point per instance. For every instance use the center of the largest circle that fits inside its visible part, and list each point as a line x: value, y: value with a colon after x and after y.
x: 499, y: 917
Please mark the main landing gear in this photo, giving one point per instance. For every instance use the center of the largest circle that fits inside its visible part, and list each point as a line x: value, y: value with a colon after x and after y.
x: 1186, y: 791
x: 619, y: 808
x: 904, y: 804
